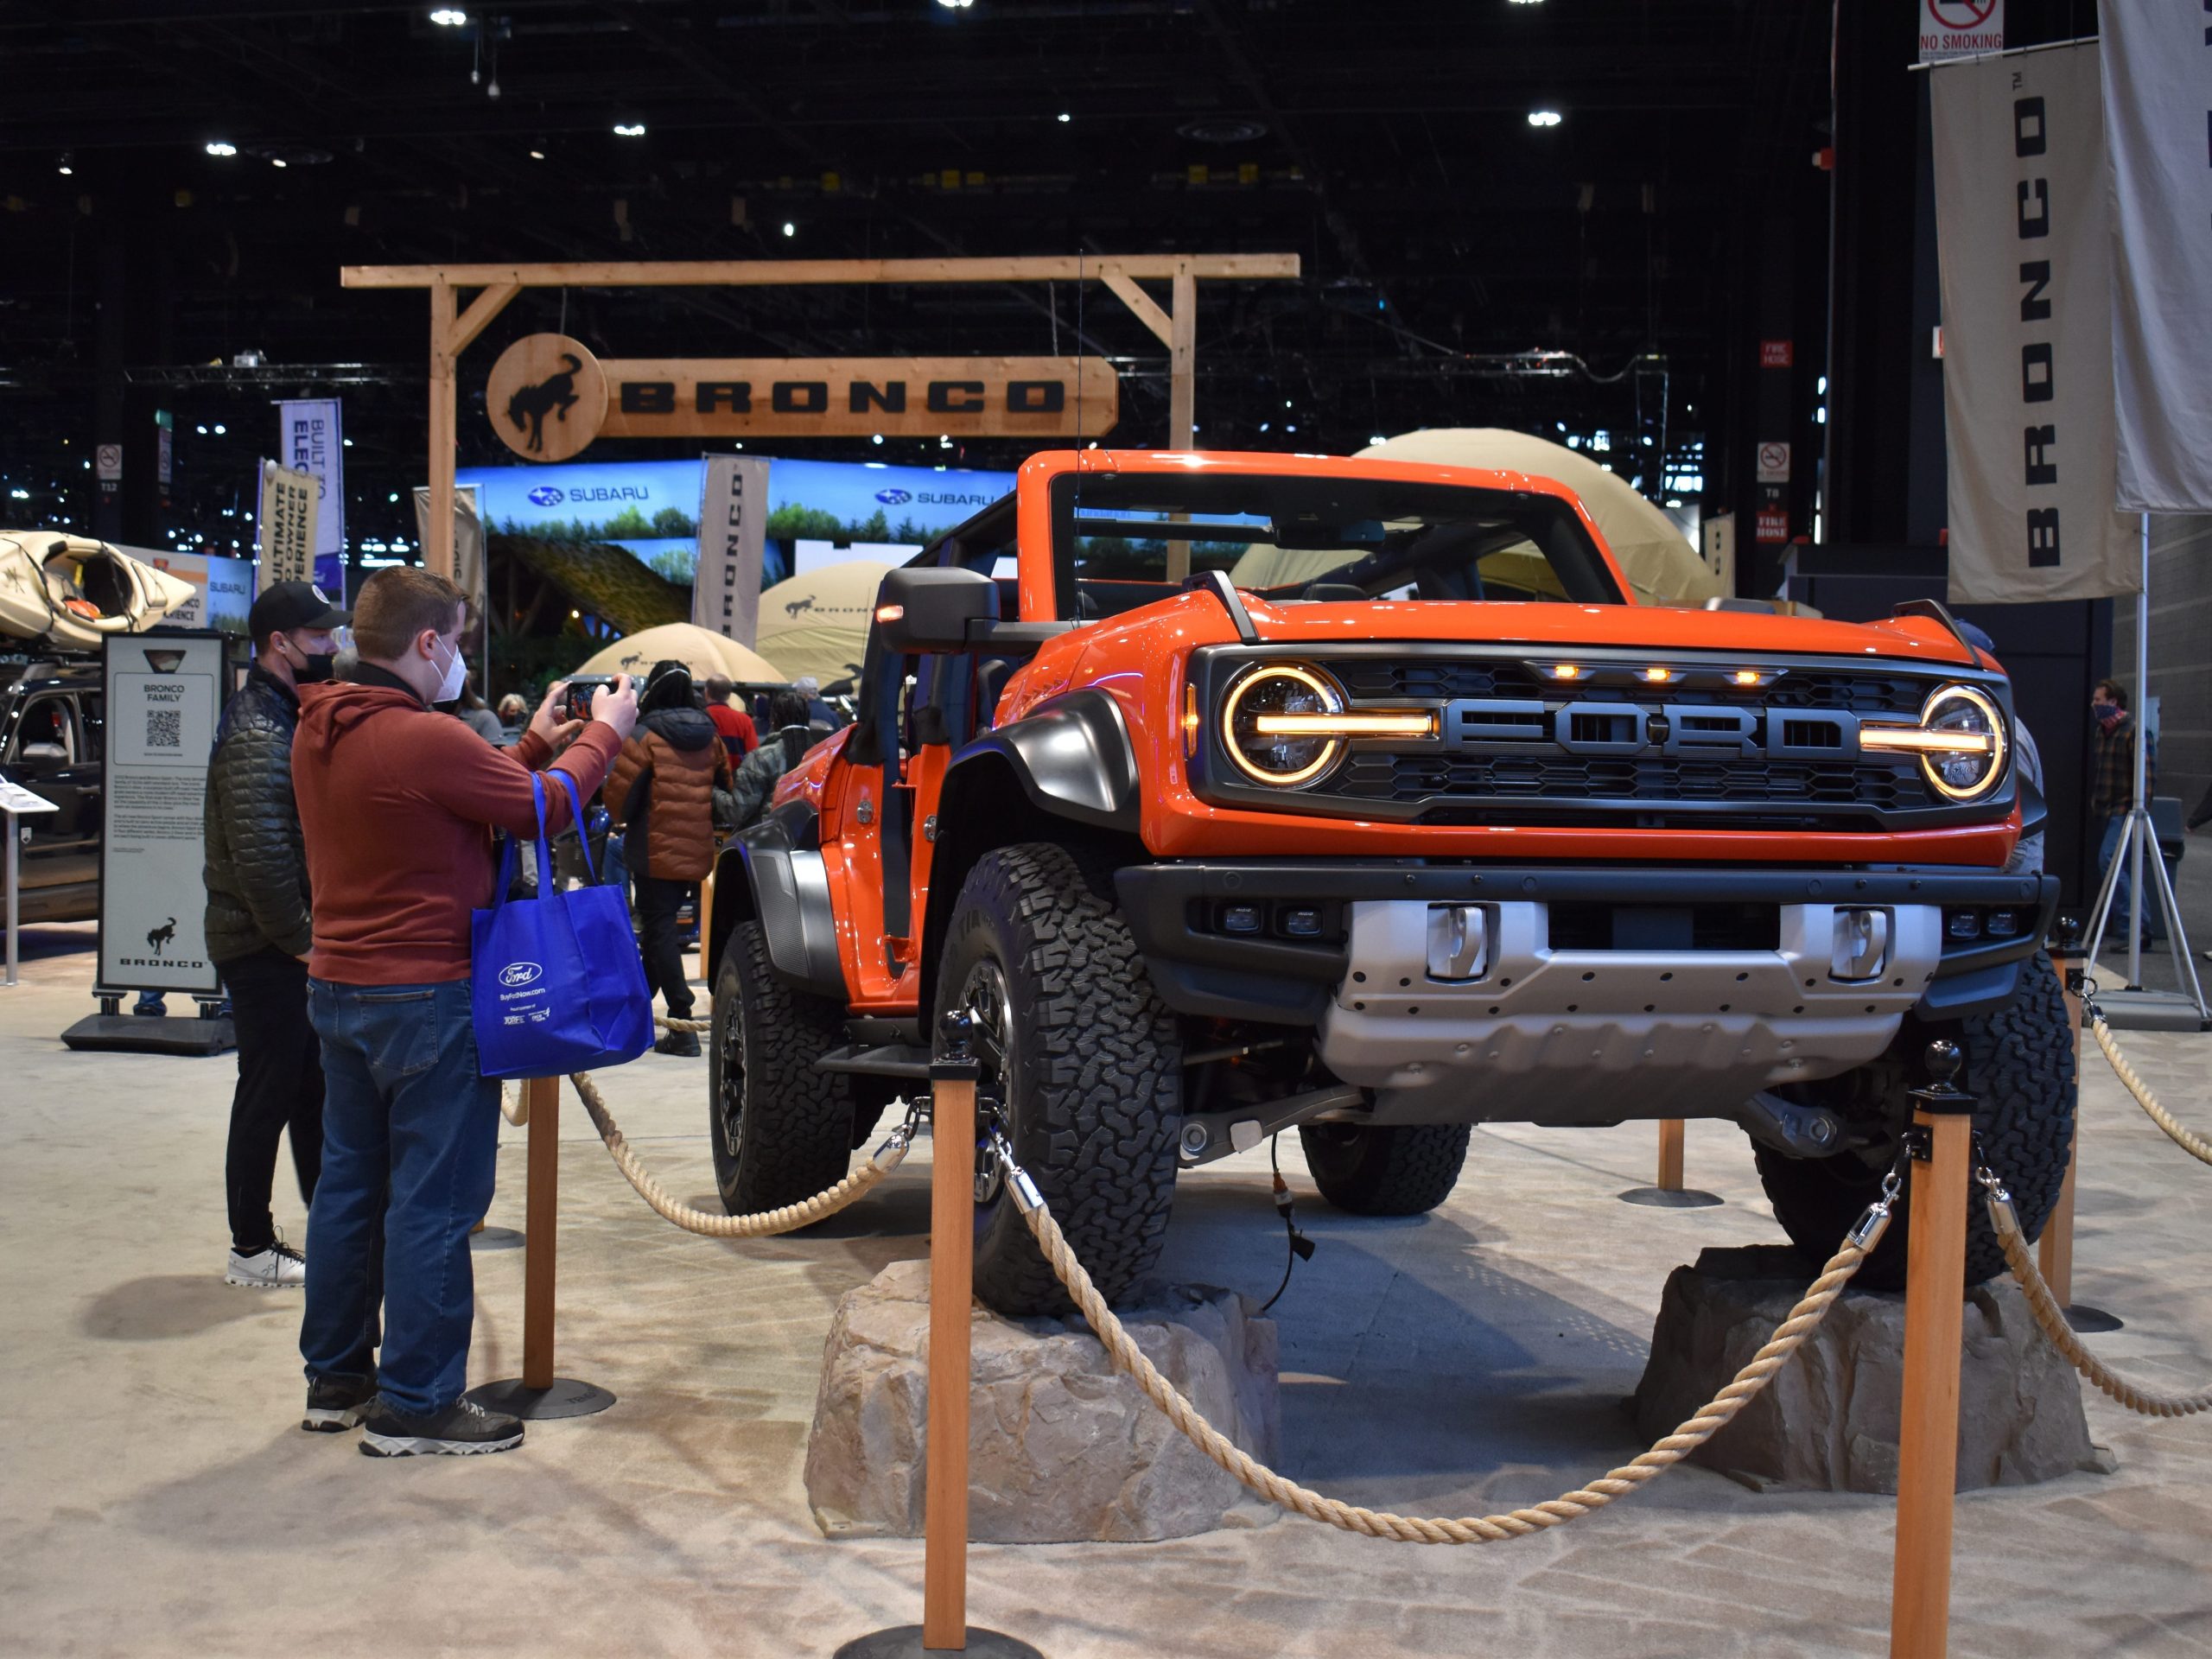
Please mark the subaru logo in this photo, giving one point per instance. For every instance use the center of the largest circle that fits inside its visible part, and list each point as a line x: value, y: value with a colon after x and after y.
x: 519, y: 972
x: 546, y: 496
x: 893, y: 498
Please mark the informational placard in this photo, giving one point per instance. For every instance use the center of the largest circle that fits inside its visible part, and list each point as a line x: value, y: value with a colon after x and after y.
x: 733, y: 531
x: 1960, y: 28
x: 164, y: 695
x: 310, y: 441
x: 289, y: 520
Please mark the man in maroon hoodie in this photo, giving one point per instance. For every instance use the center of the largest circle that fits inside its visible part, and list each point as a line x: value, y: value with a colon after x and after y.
x: 397, y: 803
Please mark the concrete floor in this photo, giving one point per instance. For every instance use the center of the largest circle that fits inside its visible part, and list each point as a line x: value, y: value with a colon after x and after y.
x: 156, y: 1496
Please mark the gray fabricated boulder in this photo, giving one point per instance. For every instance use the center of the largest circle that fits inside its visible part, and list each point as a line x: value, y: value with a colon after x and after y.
x: 1829, y: 1421
x: 1062, y: 1448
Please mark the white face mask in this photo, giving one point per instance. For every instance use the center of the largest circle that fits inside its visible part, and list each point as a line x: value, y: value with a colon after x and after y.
x: 456, y: 678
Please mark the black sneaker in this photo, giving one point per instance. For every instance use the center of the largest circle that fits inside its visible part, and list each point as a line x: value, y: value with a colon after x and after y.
x: 461, y: 1429
x: 682, y: 1044
x: 336, y: 1404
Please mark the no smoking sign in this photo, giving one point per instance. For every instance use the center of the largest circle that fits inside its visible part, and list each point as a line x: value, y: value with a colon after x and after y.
x: 1774, y: 463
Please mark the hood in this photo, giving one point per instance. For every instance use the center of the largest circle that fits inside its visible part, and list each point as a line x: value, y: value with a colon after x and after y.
x: 681, y: 728
x: 329, y: 711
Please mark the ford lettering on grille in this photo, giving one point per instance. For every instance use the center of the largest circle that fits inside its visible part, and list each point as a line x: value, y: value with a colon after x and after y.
x: 1507, y: 725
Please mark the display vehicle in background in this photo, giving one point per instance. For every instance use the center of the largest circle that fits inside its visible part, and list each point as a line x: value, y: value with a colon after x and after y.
x: 50, y: 735
x: 1394, y: 818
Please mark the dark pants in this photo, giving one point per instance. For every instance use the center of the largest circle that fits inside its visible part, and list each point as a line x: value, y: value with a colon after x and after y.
x: 280, y: 1089
x: 409, y: 1132
x: 657, y: 903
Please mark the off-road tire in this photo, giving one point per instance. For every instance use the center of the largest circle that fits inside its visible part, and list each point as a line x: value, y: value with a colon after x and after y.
x: 1093, y: 1087
x: 2020, y: 1066
x: 1390, y: 1169
x: 781, y: 1131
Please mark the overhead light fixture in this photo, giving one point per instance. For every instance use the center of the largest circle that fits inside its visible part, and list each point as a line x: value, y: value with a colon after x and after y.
x: 220, y: 429
x: 789, y: 229
x: 1543, y: 117
x: 1065, y: 117
x: 278, y: 160
x: 537, y: 155
x: 956, y: 5
x: 221, y: 147
x: 629, y: 129
x: 449, y: 16
x: 67, y: 170
x: 1375, y: 437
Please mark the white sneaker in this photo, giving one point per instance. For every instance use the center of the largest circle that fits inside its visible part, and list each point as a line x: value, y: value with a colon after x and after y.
x: 278, y: 1268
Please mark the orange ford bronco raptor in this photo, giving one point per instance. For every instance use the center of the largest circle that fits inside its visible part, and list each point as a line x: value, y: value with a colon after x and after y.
x: 1395, y: 817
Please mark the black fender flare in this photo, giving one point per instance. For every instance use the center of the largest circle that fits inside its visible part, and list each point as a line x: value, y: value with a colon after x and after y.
x: 772, y: 873
x: 1072, y: 757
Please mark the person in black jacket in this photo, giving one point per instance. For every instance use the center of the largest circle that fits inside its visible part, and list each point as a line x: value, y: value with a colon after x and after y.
x: 755, y: 782
x: 258, y: 927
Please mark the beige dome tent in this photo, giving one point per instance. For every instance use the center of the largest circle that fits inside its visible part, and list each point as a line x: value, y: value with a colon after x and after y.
x: 817, y: 623
x: 72, y: 589
x: 701, y: 650
x: 1658, y: 561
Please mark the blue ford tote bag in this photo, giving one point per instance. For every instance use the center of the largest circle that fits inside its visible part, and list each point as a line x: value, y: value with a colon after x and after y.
x: 556, y: 984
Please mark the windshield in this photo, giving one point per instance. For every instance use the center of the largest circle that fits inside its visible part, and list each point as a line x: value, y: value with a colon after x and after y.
x: 1335, y: 540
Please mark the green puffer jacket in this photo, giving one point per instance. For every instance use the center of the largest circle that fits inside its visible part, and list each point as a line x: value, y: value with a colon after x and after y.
x: 256, y: 868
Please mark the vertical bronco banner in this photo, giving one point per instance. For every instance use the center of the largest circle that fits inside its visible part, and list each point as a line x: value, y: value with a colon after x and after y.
x: 732, y: 538
x: 2157, y: 87
x: 2023, y: 233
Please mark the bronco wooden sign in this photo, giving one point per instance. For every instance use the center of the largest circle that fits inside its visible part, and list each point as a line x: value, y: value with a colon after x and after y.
x: 549, y: 397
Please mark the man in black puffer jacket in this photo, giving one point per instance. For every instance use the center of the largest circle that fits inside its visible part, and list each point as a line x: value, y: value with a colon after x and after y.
x: 756, y: 780
x: 258, y: 928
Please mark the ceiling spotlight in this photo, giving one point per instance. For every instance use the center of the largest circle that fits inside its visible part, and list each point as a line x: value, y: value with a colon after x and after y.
x: 1375, y: 437
x: 449, y: 17
x: 1543, y: 117
x: 789, y: 229
x: 537, y: 155
x: 956, y: 5
x: 630, y: 130
x: 221, y: 147
x: 220, y: 429
x: 878, y: 438
x: 67, y: 170
x: 1065, y: 117
x: 278, y: 160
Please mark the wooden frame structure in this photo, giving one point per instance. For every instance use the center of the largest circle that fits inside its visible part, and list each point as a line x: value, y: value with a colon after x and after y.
x: 453, y: 327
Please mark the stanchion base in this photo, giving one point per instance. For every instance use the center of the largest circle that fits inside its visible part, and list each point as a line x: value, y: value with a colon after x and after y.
x: 566, y: 1398
x: 905, y: 1641
x: 1679, y: 1197
x: 496, y: 1238
x: 2090, y: 1321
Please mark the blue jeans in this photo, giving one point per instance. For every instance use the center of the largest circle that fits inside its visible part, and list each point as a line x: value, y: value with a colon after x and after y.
x: 409, y: 1131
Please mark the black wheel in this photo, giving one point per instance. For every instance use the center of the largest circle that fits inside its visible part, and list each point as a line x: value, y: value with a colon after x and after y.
x: 782, y: 1131
x: 1084, y: 1054
x: 2019, y: 1065
x: 1388, y: 1169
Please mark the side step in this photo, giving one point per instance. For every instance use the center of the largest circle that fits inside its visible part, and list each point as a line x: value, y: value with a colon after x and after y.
x: 909, y: 1060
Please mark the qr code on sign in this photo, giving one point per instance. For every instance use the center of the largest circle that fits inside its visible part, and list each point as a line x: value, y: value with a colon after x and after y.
x: 165, y: 728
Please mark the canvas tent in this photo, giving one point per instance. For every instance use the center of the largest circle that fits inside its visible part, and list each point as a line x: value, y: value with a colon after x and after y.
x: 817, y: 623
x: 704, y: 653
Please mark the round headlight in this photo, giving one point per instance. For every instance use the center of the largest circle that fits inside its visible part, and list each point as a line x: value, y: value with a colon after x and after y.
x: 1280, y: 689
x: 1967, y: 774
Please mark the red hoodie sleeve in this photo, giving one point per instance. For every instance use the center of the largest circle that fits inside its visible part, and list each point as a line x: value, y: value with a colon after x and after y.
x: 487, y: 785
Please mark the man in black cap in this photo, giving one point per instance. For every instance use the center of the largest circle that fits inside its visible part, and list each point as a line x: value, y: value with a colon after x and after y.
x: 257, y: 923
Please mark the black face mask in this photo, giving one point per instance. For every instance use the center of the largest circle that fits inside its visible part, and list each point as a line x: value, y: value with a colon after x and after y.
x: 311, y: 668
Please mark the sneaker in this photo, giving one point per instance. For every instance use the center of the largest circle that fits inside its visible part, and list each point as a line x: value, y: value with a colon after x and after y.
x: 461, y: 1429
x: 337, y: 1403
x: 682, y: 1044
x: 278, y: 1268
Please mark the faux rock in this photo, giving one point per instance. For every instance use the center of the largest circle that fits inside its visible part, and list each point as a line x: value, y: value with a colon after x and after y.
x: 1829, y: 1421
x: 1062, y: 1448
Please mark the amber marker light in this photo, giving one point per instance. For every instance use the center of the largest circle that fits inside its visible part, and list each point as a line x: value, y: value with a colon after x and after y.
x: 1567, y: 672
x: 1746, y: 676
x: 1658, y: 676
x: 889, y: 612
x: 1191, y: 722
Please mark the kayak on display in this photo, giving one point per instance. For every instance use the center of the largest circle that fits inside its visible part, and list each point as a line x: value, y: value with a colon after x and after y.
x: 72, y: 589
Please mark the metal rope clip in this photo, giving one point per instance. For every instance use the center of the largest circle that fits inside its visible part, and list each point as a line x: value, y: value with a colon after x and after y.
x: 1026, y: 1197
x: 1868, y: 1231
x: 1994, y: 1197
x: 900, y: 1141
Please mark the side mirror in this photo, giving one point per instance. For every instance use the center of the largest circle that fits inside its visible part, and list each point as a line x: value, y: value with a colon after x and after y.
x: 928, y: 610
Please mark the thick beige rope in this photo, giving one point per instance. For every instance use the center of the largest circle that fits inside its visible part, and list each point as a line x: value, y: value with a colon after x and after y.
x: 698, y: 1027
x: 515, y: 1108
x: 790, y: 1218
x: 1480, y: 1530
x: 2052, y: 1319
x: 2186, y: 1138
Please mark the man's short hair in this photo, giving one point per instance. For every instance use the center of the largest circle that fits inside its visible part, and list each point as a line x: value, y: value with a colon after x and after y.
x: 719, y: 688
x: 2118, y: 691
x: 399, y: 603
x: 786, y: 708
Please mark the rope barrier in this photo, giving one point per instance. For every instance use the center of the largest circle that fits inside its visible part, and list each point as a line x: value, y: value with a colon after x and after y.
x: 2186, y: 1138
x: 790, y: 1218
x: 1745, y: 1387
x: 510, y: 1107
x: 697, y: 1027
x: 2052, y: 1319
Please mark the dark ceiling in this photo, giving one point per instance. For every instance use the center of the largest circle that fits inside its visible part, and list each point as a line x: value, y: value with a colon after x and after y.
x: 1387, y: 144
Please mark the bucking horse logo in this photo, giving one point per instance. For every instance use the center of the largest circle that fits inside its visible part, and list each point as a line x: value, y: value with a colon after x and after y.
x: 158, y: 940
x: 554, y: 395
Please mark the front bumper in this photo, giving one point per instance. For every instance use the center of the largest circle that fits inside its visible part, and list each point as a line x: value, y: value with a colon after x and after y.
x: 1175, y: 910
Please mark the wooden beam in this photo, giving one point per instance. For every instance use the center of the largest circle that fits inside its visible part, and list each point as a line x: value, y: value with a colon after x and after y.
x: 1182, y: 390
x: 1147, y: 311
x: 773, y: 273
x: 485, y: 307
x: 438, y: 543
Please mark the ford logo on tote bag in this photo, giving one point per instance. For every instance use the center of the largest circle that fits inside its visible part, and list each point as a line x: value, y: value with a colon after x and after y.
x: 555, y: 983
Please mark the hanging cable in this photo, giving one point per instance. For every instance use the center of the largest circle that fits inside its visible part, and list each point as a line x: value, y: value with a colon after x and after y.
x: 1301, y: 1248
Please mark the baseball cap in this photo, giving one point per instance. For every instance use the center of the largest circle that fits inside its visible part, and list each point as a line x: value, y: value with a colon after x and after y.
x: 293, y: 605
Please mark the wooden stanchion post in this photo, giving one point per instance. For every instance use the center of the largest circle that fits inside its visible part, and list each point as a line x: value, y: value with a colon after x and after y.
x: 2055, y: 1250
x: 538, y: 1393
x: 1928, y: 1443
x: 1670, y: 1154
